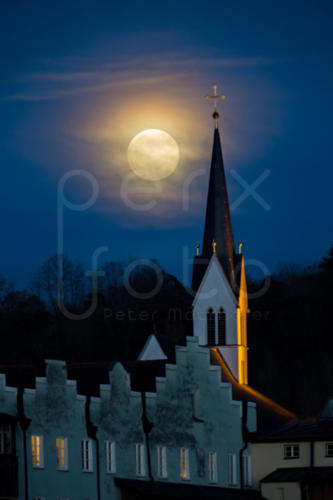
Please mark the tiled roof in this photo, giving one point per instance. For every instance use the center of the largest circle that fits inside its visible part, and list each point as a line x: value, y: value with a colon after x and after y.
x: 297, y: 431
x: 161, y: 490
x: 296, y: 474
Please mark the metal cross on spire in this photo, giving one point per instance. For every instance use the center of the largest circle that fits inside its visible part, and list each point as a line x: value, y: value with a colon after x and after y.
x: 215, y: 96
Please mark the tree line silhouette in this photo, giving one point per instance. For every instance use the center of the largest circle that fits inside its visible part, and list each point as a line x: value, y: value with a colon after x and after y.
x: 290, y: 327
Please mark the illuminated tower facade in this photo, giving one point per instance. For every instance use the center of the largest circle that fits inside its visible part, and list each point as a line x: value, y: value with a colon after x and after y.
x: 220, y: 306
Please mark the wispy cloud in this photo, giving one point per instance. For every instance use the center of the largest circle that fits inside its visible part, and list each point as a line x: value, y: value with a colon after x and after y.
x: 67, y: 78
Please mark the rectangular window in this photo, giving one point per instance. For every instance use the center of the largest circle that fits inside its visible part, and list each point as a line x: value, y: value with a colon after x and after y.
x: 62, y: 454
x: 110, y: 457
x: 247, y: 470
x: 212, y: 469
x: 162, y: 470
x: 37, y: 451
x: 140, y: 459
x: 329, y: 449
x: 5, y: 439
x: 184, y: 463
x: 86, y: 449
x: 39, y: 498
x: 291, y: 451
x: 232, y: 474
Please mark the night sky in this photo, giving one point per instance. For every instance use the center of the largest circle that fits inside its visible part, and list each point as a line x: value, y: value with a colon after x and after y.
x: 80, y: 79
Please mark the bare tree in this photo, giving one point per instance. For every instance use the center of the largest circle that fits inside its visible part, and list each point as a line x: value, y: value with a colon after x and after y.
x: 69, y: 279
x: 6, y: 287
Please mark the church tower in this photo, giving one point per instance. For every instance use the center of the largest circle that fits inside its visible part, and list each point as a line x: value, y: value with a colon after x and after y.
x: 220, y: 305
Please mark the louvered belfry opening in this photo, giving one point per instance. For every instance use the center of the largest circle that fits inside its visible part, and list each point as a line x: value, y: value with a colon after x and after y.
x: 211, y: 327
x: 221, y: 322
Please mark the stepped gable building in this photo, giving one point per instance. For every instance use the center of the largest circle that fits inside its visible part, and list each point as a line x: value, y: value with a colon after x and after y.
x: 169, y: 423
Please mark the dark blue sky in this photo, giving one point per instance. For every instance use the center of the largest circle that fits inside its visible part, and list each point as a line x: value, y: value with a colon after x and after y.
x: 80, y: 79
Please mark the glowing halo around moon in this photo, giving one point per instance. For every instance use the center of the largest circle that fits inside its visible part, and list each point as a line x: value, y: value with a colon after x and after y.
x: 153, y: 154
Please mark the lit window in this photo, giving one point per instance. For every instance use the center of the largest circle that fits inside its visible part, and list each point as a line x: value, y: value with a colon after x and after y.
x: 291, y: 451
x: 110, y: 457
x: 184, y: 463
x: 86, y: 449
x: 37, y: 451
x: 162, y: 470
x: 329, y: 449
x: 5, y: 439
x: 232, y: 475
x: 62, y: 453
x: 211, y: 327
x: 212, y: 470
x: 140, y: 469
x: 247, y: 470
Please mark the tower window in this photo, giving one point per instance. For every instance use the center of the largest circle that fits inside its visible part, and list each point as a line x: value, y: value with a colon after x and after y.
x: 211, y: 327
x: 221, y: 326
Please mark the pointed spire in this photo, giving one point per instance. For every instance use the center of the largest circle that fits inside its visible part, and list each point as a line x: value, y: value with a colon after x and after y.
x: 218, y: 221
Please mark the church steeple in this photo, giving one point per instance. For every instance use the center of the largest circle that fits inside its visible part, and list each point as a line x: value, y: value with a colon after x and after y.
x: 218, y: 229
x: 220, y: 305
x: 218, y: 221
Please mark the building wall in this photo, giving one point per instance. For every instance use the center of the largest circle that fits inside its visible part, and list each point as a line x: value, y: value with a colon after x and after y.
x: 267, y: 457
x: 320, y: 458
x: 191, y: 409
x: 57, y: 410
x: 270, y: 456
x: 281, y: 491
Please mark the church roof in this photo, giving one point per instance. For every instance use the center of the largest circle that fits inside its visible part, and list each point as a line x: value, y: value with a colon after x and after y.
x: 269, y: 413
x: 218, y: 227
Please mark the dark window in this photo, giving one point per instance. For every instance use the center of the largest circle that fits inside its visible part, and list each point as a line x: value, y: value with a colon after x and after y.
x: 291, y: 451
x: 5, y: 439
x: 221, y: 326
x: 329, y: 449
x: 211, y: 327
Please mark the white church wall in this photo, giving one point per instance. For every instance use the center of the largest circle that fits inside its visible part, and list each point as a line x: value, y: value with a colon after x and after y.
x: 230, y: 356
x: 214, y: 292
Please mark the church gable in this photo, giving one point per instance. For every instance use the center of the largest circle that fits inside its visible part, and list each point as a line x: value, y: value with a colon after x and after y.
x: 215, y: 286
x: 215, y: 308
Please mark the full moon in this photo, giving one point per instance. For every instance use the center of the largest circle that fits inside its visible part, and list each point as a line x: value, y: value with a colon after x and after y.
x: 153, y: 154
